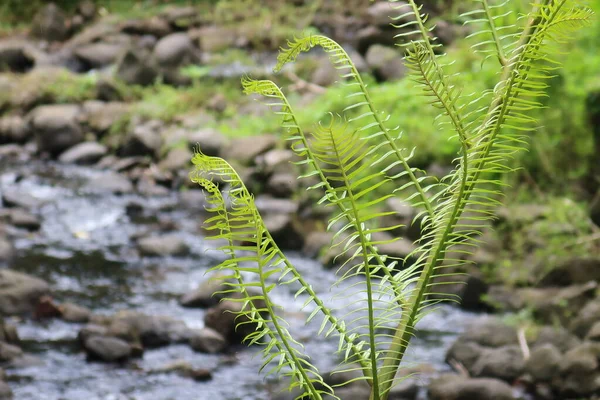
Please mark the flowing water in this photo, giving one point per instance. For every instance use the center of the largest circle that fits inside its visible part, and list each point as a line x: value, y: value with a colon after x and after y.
x: 85, y: 250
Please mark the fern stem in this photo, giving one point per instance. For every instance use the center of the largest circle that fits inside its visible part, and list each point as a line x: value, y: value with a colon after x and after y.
x: 359, y: 229
x: 501, y: 57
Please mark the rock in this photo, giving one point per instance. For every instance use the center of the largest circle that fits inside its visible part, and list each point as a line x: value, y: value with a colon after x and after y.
x: 465, y: 352
x: 490, y: 332
x: 543, y: 363
x: 150, y: 330
x: 7, y: 250
x: 87, y: 9
x: 556, y: 336
x: 74, y: 313
x: 207, y: 294
x: 269, y: 205
x: 19, y: 293
x: 468, y: 286
x: 13, y: 129
x: 154, y: 26
x: 16, y: 55
x: 315, y: 242
x: 379, y: 13
x: 91, y: 329
x: 594, y: 333
x: 210, y: 141
x: 177, y: 159
x: 452, y: 387
x: 245, y: 150
x: 9, y: 352
x: 282, y: 185
x: 399, y: 248
x: 213, y: 39
x: 225, y: 318
x: 103, y: 116
x: 284, y: 231
x: 46, y: 308
x: 504, y: 363
x: 56, y: 127
x: 24, y: 219
x: 572, y: 272
x: 142, y: 141
x: 579, y: 375
x: 185, y: 369
x: 162, y: 246
x: 83, y: 153
x: 207, y: 340
x: 586, y: 318
x: 5, y: 391
x: 371, y: 35
x: 109, y: 349
x: 446, y: 32
x: 50, y: 23
x: 110, y: 182
x: 325, y: 74
x: 521, y: 214
x: 135, y: 67
x: 107, y: 90
x: 552, y: 304
x: 175, y: 50
x: 100, y: 54
x: 387, y: 64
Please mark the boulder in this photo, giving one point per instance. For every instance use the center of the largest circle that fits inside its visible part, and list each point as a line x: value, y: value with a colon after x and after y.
x: 19, y: 292
x: 381, y: 13
x: 207, y: 340
x: 269, y: 205
x: 56, y: 127
x: 210, y: 141
x: 50, y: 23
x: 24, y: 219
x: 453, y: 387
x: 465, y: 352
x: 154, y: 26
x: 13, y: 129
x: 136, y: 67
x: 573, y: 271
x: 579, y: 372
x: 245, y: 150
x: 109, y: 349
x: 490, y: 332
x: 543, y: 363
x: 102, y: 116
x: 92, y: 329
x: 284, y: 231
x: 325, y: 74
x: 225, y: 318
x: 315, y: 242
x: 74, y: 313
x: 586, y: 318
x: 504, y: 363
x: 5, y: 391
x: 207, y: 294
x: 9, y: 352
x: 558, y: 337
x: 177, y: 159
x: 276, y: 160
x: 175, y: 50
x: 100, y: 54
x: 110, y: 182
x: 162, y: 246
x: 594, y: 333
x: 387, y: 63
x: 213, y: 39
x: 282, y: 185
x: 83, y: 153
x: 143, y: 140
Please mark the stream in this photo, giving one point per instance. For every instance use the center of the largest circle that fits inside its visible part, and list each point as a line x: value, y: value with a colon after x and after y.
x: 85, y: 250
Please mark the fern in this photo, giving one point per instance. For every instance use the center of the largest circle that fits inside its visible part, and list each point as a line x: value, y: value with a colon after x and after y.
x: 354, y: 167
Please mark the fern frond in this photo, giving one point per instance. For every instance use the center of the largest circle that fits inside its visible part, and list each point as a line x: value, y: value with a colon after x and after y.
x: 376, y: 128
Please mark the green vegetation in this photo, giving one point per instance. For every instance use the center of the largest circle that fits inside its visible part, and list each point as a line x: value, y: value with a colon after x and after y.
x: 356, y: 152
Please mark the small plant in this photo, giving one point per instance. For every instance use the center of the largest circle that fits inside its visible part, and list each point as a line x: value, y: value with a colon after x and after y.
x: 353, y: 159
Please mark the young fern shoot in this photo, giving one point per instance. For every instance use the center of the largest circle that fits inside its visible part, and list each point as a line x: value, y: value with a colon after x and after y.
x: 354, y: 156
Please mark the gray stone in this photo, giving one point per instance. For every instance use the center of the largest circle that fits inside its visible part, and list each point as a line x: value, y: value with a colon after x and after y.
x: 213, y: 39
x: 91, y: 329
x: 387, y: 63
x: 325, y: 74
x: 16, y: 55
x: 83, y: 153
x: 109, y: 349
x: 284, y: 231
x: 103, y: 116
x: 110, y: 182
x: 207, y: 340
x: 177, y: 159
x: 225, y: 318
x: 245, y: 150
x: 586, y: 318
x: 465, y: 352
x: 210, y: 141
x: 19, y: 293
x: 7, y: 250
x: 56, y: 127
x: 453, y: 387
x: 74, y: 313
x: 142, y: 141
x: 13, y: 129
x: 9, y: 352
x: 543, y: 363
x: 559, y: 337
x: 282, y: 185
x: 572, y: 271
x: 24, y: 219
x: 154, y: 26
x: 175, y: 50
x: 315, y: 242
x: 594, y: 333
x: 269, y: 205
x: 490, y: 332
x: 579, y: 375
x: 206, y: 294
x: 135, y: 67
x: 50, y: 23
x: 164, y: 245
x: 379, y: 13
x: 100, y: 54
x: 5, y: 391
